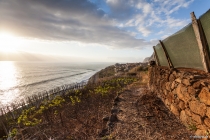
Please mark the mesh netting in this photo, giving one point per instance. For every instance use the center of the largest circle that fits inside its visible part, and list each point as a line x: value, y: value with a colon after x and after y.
x: 183, y: 49
x: 161, y: 55
x: 205, y: 22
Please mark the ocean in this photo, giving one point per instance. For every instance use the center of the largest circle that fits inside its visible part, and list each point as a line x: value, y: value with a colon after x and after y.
x: 21, y: 79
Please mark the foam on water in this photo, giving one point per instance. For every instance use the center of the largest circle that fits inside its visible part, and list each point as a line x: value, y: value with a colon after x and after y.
x: 21, y: 79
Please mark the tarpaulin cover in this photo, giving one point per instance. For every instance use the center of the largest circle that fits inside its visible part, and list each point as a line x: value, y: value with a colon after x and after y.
x: 182, y: 48
x: 205, y: 22
x: 161, y: 55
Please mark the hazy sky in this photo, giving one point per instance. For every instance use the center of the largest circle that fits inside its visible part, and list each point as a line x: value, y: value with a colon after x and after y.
x: 93, y: 30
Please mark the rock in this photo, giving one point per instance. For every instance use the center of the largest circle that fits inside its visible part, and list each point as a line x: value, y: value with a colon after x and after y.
x: 171, y: 78
x: 207, y: 122
x: 200, y: 132
x: 197, y: 85
x: 165, y: 92
x: 183, y: 117
x: 186, y: 82
x: 204, y: 96
x: 117, y: 99
x: 188, y: 112
x: 174, y: 110
x: 208, y: 112
x: 168, y: 86
x: 114, y: 111
x: 170, y: 97
x: 113, y: 118
x: 167, y: 102
x: 183, y: 89
x: 184, y: 96
x: 173, y: 85
x: 202, y: 127
x: 174, y: 73
x: 191, y: 90
x: 204, y: 84
x: 178, y: 80
x: 182, y: 105
x: 198, y: 107
x: 105, y: 118
x: 196, y: 118
x: 103, y: 133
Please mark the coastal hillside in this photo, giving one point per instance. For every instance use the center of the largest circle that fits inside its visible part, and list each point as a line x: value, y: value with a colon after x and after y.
x: 115, y: 104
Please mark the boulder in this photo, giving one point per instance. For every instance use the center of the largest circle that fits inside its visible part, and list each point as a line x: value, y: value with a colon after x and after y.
x: 183, y: 117
x: 207, y: 122
x: 178, y: 80
x: 168, y: 84
x: 174, y: 110
x: 196, y: 118
x: 182, y: 105
x: 186, y: 82
x: 208, y: 112
x: 188, y: 112
x: 200, y: 133
x: 173, y: 85
x: 182, y: 94
x: 170, y: 97
x: 202, y: 127
x: 172, y: 78
x: 191, y: 90
x: 197, y: 85
x: 204, y: 95
x: 198, y: 107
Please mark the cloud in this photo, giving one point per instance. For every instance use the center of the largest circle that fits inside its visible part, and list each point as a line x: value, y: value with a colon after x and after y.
x: 66, y: 20
x: 87, y: 22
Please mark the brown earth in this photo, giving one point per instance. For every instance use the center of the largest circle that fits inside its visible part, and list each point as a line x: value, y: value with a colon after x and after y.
x: 133, y: 114
x: 141, y: 115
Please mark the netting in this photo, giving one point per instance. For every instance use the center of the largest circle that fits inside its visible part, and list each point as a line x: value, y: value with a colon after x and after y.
x: 161, y: 55
x: 183, y: 49
x: 205, y: 22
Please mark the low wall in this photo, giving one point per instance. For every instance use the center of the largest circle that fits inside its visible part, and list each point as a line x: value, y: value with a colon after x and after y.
x: 186, y: 93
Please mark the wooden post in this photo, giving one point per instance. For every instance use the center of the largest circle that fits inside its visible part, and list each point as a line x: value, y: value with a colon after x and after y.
x: 156, y: 56
x: 201, y: 42
x: 166, y: 54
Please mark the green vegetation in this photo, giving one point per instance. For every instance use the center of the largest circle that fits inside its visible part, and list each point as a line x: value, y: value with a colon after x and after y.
x: 107, y: 72
x: 115, y: 84
x: 35, y: 116
x: 192, y: 127
x: 141, y: 68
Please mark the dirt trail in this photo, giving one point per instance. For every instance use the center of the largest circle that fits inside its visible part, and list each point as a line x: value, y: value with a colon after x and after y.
x: 143, y: 116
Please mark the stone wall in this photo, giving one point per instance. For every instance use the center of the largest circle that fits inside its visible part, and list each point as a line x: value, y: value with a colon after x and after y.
x: 186, y: 93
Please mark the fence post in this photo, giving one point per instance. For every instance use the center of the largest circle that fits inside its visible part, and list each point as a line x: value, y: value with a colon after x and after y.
x: 156, y: 56
x: 201, y: 42
x: 166, y: 54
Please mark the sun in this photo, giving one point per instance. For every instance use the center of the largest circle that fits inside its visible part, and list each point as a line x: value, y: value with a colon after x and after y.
x: 8, y: 42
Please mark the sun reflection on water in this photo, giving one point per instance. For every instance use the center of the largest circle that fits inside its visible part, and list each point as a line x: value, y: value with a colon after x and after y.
x: 8, y: 80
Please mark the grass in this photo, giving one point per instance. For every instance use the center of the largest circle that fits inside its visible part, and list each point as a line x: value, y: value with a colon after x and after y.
x: 78, y: 111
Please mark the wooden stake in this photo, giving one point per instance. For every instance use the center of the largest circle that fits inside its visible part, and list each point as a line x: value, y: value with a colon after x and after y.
x: 166, y: 54
x: 201, y: 42
x: 156, y: 56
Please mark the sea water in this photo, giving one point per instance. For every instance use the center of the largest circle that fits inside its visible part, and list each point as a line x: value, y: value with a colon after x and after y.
x: 21, y: 79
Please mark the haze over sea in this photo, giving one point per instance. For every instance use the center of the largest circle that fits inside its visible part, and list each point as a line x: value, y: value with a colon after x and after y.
x: 21, y: 79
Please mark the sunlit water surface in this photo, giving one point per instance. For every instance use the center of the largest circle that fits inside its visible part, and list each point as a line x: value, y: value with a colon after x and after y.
x: 21, y: 79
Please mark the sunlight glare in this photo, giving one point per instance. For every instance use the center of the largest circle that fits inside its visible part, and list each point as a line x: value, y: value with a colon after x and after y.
x: 8, y: 42
x: 8, y: 80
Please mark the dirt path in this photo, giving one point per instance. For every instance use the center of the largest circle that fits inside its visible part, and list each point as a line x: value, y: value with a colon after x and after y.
x: 143, y: 116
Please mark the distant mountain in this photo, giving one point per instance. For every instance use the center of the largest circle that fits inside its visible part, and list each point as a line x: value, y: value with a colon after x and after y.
x: 147, y: 59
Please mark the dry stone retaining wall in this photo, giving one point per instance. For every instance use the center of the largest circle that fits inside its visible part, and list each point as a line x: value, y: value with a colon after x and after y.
x: 186, y: 93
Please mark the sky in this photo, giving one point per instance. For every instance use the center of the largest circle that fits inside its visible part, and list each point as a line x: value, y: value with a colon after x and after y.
x: 91, y: 30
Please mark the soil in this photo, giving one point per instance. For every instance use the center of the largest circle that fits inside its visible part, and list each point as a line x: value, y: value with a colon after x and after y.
x: 141, y: 115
